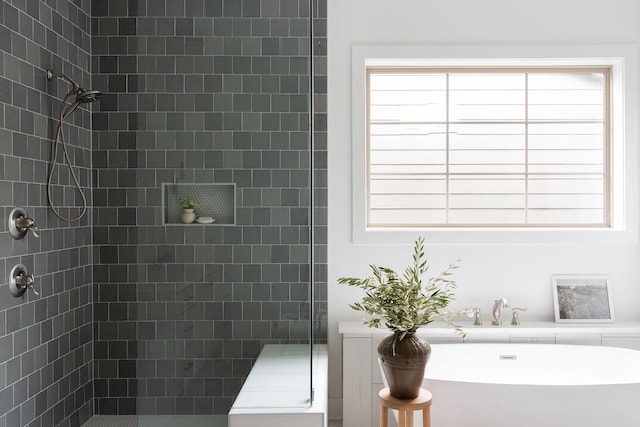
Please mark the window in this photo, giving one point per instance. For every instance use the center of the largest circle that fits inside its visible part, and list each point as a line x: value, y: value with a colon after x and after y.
x: 488, y: 146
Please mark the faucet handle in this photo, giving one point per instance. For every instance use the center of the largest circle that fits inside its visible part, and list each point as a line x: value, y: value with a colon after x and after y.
x: 477, y: 320
x: 515, y: 319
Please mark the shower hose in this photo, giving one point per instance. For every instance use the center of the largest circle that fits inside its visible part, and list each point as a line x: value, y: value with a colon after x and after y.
x: 54, y: 155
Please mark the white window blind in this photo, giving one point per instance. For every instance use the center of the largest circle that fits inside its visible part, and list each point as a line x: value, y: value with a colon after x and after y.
x: 488, y: 147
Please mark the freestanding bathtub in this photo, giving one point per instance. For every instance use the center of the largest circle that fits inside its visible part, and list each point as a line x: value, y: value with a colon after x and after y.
x: 533, y: 385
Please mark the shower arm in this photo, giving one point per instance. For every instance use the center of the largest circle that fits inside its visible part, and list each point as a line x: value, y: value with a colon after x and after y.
x: 52, y: 74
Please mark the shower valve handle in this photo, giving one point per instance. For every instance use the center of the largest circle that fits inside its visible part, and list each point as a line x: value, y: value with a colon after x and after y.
x: 20, y: 280
x: 27, y: 224
x: 34, y: 230
x: 20, y: 224
x: 25, y: 281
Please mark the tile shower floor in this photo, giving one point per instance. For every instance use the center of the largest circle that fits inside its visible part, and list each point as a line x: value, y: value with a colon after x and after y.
x: 157, y: 421
x: 166, y: 421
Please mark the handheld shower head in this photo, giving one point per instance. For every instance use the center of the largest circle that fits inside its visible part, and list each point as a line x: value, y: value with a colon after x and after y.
x: 90, y: 95
x: 82, y: 96
x: 66, y: 109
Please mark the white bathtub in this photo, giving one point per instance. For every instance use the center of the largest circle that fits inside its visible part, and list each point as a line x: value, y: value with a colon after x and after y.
x: 533, y: 385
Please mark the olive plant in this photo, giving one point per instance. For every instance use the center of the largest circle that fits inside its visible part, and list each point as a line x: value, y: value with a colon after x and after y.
x: 401, y: 302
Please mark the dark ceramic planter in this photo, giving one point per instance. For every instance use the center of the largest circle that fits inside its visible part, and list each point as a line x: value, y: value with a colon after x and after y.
x: 404, y: 365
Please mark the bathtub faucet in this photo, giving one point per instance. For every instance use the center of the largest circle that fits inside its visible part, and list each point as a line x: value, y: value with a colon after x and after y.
x: 497, y: 305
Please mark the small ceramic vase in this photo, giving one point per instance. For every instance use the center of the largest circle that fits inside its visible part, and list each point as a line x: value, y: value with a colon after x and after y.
x: 188, y: 216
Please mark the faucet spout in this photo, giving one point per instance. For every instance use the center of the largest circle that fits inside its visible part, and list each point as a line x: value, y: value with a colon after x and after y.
x: 497, y: 305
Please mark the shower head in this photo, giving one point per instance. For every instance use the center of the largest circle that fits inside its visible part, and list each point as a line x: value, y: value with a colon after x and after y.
x: 86, y: 96
x: 82, y: 96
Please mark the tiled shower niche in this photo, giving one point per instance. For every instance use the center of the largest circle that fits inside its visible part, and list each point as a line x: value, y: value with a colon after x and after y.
x: 214, y: 200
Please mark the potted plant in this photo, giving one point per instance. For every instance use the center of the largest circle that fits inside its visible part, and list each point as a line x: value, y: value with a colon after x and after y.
x: 188, y: 204
x: 402, y: 304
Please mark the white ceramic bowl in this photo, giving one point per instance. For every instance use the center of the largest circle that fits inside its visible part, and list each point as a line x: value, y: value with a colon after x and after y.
x: 205, y: 220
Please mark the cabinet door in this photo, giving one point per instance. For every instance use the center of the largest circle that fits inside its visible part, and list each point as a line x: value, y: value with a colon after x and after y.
x: 356, y: 382
x: 502, y: 337
x: 376, y: 369
x: 547, y: 339
x: 582, y: 338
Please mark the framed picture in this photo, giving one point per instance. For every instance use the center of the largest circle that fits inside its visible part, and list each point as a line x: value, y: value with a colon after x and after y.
x: 582, y: 298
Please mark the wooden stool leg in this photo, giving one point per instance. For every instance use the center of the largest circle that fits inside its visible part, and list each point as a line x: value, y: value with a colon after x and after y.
x: 405, y: 408
x: 384, y: 416
x: 426, y: 417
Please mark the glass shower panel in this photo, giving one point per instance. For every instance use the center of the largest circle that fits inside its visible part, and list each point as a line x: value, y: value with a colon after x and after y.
x: 208, y: 103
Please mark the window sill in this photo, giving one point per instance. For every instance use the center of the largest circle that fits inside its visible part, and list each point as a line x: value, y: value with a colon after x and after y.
x: 497, y: 236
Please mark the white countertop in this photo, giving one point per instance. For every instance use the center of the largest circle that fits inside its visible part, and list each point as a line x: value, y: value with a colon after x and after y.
x: 533, y: 328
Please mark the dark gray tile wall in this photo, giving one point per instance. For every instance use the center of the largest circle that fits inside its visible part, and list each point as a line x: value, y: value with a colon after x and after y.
x: 46, y: 347
x: 199, y: 91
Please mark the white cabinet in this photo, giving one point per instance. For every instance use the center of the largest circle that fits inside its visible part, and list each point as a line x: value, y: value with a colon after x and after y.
x: 572, y: 337
x: 362, y: 378
x: 357, y: 360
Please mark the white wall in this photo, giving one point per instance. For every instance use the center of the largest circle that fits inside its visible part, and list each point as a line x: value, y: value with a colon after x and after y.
x: 518, y: 271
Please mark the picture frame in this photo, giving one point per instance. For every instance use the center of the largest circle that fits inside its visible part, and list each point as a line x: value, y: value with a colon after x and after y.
x: 582, y: 298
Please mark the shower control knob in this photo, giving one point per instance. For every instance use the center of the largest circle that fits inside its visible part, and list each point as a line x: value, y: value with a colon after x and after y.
x: 26, y: 281
x: 28, y: 224
x: 20, y: 224
x: 20, y: 280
